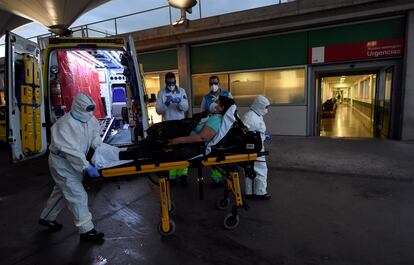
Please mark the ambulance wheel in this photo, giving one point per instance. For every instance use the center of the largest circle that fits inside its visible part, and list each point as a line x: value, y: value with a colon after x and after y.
x: 168, y: 233
x: 223, y: 203
x: 172, y: 208
x: 231, y: 221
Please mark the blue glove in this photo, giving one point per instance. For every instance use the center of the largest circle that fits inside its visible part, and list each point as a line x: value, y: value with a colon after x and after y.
x: 176, y: 100
x: 168, y: 100
x: 92, y: 171
x: 268, y: 136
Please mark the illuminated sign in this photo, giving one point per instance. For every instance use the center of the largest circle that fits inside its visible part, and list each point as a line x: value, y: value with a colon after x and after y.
x: 357, y: 51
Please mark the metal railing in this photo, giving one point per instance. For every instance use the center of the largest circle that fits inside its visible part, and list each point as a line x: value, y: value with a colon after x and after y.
x: 133, y: 22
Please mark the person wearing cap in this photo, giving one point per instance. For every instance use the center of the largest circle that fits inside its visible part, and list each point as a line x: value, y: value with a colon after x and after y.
x: 257, y: 188
x: 172, y: 104
x: 71, y: 138
x: 215, y: 91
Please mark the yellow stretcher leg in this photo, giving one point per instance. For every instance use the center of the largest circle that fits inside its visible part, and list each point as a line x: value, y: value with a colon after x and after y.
x: 231, y: 220
x: 236, y: 188
x: 167, y: 226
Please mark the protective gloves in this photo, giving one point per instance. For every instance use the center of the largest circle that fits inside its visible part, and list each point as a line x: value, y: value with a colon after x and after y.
x: 168, y: 100
x: 92, y: 171
x: 176, y: 100
x: 268, y: 136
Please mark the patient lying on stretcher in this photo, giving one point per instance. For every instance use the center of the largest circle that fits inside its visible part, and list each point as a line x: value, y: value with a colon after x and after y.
x: 183, y: 139
x: 208, y: 127
x: 195, y: 137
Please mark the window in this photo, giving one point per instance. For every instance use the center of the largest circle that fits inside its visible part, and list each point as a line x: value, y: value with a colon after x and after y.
x: 154, y: 82
x: 285, y: 86
x: 364, y: 89
x: 201, y: 86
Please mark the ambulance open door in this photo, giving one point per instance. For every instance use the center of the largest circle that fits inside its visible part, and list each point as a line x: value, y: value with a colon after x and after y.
x: 138, y: 80
x: 25, y: 120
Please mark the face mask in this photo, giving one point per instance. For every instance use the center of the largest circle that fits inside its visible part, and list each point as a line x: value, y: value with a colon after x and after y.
x: 214, y: 88
x: 170, y: 85
x: 212, y: 108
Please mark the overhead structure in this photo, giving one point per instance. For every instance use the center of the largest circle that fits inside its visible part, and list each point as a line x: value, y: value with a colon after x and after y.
x: 184, y: 6
x: 57, y: 15
x: 10, y: 21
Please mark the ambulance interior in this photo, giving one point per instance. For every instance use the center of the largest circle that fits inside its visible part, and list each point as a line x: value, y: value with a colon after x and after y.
x: 99, y: 74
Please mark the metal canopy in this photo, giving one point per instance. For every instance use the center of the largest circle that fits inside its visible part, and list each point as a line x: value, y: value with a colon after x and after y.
x: 57, y: 15
x: 9, y: 21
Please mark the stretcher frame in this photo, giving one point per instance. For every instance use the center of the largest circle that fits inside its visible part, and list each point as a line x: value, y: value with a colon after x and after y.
x: 167, y: 226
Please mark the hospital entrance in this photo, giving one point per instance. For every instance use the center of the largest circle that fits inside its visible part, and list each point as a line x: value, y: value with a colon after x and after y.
x: 359, y: 100
x: 347, y: 105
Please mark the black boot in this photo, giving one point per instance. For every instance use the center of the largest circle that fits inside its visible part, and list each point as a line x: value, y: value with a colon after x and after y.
x: 92, y: 235
x: 53, y: 226
x: 250, y: 196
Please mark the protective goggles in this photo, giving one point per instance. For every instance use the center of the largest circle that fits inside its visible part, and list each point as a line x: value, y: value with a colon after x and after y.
x: 90, y: 108
x: 213, y: 83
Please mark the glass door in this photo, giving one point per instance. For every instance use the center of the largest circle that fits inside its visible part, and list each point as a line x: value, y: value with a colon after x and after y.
x: 383, y: 103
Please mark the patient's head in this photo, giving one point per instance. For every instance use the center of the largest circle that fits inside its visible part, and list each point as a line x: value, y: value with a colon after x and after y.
x: 223, y: 104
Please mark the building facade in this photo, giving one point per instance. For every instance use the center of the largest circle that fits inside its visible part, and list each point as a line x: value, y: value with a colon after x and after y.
x: 299, y: 55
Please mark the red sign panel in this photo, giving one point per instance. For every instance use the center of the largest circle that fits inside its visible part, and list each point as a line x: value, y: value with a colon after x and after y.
x: 357, y: 51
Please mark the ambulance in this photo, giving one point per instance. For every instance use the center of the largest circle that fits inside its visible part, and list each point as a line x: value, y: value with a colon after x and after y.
x: 41, y: 81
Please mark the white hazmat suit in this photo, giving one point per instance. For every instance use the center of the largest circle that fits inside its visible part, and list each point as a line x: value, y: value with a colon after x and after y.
x: 253, y: 119
x: 172, y: 105
x: 72, y: 136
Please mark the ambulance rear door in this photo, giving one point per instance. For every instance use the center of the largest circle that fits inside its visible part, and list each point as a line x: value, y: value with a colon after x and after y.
x: 137, y: 80
x: 25, y: 119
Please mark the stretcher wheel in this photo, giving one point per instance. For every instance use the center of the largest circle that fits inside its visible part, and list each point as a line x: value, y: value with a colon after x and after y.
x: 223, y: 203
x: 168, y: 233
x: 231, y: 221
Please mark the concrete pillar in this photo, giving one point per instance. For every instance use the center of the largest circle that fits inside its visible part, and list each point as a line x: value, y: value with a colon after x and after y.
x: 408, y: 81
x: 184, y: 72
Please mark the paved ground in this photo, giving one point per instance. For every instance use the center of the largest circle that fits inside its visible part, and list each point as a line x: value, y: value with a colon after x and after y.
x: 335, y: 201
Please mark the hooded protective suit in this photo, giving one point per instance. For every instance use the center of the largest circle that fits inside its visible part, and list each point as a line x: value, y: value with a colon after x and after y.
x: 72, y: 136
x: 253, y: 119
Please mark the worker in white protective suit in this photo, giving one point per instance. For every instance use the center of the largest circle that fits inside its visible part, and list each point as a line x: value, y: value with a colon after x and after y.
x: 253, y: 119
x: 72, y: 136
x: 172, y: 103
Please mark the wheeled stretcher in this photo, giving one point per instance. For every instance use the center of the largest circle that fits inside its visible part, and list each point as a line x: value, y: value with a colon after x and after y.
x: 238, y: 152
x: 229, y: 166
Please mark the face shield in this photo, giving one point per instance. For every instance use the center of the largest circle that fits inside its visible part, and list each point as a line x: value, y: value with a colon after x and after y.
x: 82, y: 107
x: 90, y: 108
x: 260, y: 105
